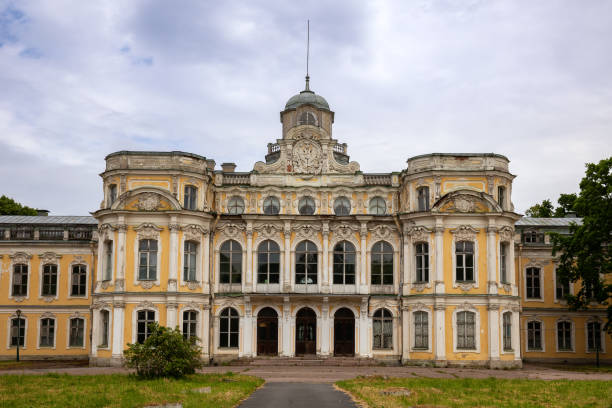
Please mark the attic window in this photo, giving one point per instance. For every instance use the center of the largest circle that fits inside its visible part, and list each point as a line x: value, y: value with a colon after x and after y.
x: 308, y: 118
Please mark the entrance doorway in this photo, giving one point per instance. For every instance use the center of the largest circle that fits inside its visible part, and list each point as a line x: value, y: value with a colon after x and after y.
x: 267, y: 332
x: 344, y: 332
x: 305, y: 332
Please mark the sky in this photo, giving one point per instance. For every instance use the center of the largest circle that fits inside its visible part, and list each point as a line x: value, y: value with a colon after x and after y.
x: 531, y: 80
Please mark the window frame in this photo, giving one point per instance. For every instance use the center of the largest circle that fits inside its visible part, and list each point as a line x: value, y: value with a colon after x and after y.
x: 540, y: 330
x: 343, y: 204
x: 501, y: 196
x: 190, y: 197
x: 136, y: 320
x: 102, y: 333
x: 374, y: 252
x: 308, y: 273
x: 426, y: 325
x: 109, y: 258
x: 308, y: 114
x: 422, y: 195
x: 23, y: 328
x: 267, y: 252
x: 234, y: 253
x: 475, y: 332
x: 570, y: 289
x: 567, y: 333
x: 22, y: 285
x: 339, y: 268
x: 377, y: 202
x: 69, y: 337
x: 112, y: 194
x: 385, y: 317
x: 83, y: 275
x: 44, y: 274
x: 51, y: 332
x: 421, y: 273
x: 464, y: 257
x: 540, y: 281
x: 236, y: 205
x: 190, y: 260
x: 507, y: 332
x: 589, y: 337
x: 307, y: 202
x: 271, y: 202
x: 504, y: 249
x: 150, y: 255
x: 232, y: 313
x: 192, y: 324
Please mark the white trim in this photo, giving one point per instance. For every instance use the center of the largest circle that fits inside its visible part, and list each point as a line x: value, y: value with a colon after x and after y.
x: 19, y: 258
x: 467, y: 308
x: 227, y: 287
x: 539, y: 266
x: 465, y: 285
x: 78, y: 260
x: 394, y: 326
x: 570, y: 286
x: 105, y: 260
x: 412, y: 330
x: 135, y: 319
x: 602, y: 338
x: 41, y: 265
x: 413, y: 276
x: 8, y: 332
x: 181, y: 262
x: 190, y: 308
x: 109, y: 338
x: 267, y: 287
x: 542, y: 349
x: 55, y: 330
x: 572, y: 335
x: 217, y: 331
x: 512, y: 348
x: 136, y: 244
x: 85, y: 336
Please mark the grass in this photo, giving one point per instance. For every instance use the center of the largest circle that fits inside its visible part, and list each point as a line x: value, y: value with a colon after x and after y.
x: 604, y: 368
x: 117, y: 390
x: 470, y: 392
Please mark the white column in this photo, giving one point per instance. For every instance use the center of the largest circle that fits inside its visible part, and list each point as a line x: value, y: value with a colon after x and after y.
x: 173, y: 258
x: 325, y: 328
x: 205, y: 332
x: 439, y: 248
x: 363, y: 283
x: 516, y: 333
x: 364, y: 329
x: 206, y: 263
x: 407, y: 264
x: 101, y: 257
x: 121, y: 248
x: 491, y: 258
x: 249, y: 278
x: 405, y: 334
x: 287, y: 268
x: 287, y: 329
x: 493, y: 335
x: 247, y: 332
x: 510, y: 262
x: 325, y: 275
x: 171, y: 315
x: 439, y: 334
x: 95, y: 332
x: 118, y: 324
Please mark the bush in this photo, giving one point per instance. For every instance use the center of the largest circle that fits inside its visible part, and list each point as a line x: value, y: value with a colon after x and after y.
x: 165, y: 353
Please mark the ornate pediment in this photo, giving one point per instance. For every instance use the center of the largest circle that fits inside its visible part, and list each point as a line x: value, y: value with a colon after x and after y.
x: 417, y: 234
x: 382, y: 231
x: 231, y: 230
x: 194, y: 232
x: 506, y: 234
x: 465, y: 233
x: 268, y: 230
x: 49, y: 258
x: 466, y: 201
x: 146, y: 199
x: 20, y: 258
x: 344, y: 230
x: 306, y: 231
x: 148, y: 231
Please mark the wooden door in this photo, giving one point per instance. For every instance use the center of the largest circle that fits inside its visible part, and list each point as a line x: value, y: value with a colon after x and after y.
x: 305, y: 332
x: 344, y: 333
x: 267, y: 332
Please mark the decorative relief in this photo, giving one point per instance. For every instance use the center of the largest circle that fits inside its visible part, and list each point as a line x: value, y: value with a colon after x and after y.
x: 418, y: 307
x: 172, y: 285
x: 382, y: 232
x: 465, y: 286
x: 506, y: 234
x: 119, y: 285
x: 49, y: 257
x: 464, y: 233
x: 194, y: 232
x: 420, y: 287
x: 231, y: 230
x: 466, y: 306
x: 47, y: 315
x: 193, y: 285
x: 148, y: 202
x: 268, y: 230
x: 147, y: 284
x: 145, y: 304
x: 105, y: 284
x: 20, y: 257
x: 306, y: 231
x: 307, y: 157
x: 48, y: 299
x: 344, y: 230
x: 417, y: 234
x: 192, y: 305
x: 19, y: 299
x: 100, y: 305
x: 148, y: 231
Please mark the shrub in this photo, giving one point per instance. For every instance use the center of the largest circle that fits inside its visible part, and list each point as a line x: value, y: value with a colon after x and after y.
x: 165, y: 353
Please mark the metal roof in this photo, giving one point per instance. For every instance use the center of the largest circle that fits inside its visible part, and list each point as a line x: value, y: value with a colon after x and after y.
x: 50, y: 219
x: 547, y: 222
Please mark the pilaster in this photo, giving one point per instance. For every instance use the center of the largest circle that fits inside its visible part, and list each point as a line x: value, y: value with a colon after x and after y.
x: 439, y: 248
x: 491, y: 258
x: 440, y: 334
x: 173, y: 258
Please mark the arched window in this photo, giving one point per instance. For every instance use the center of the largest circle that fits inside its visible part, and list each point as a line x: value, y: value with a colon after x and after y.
x: 268, y: 262
x: 78, y: 280
x: 423, y: 198
x: 344, y: 263
x: 307, y: 206
x: 271, y: 205
x: 147, y: 259
x: 190, y: 323
x: 422, y: 261
x: 532, y: 277
x: 189, y: 261
x: 144, y: 319
x: 507, y: 331
x: 230, y: 262
x: 49, y: 280
x: 77, y: 332
x: 308, y: 118
x: 464, y: 255
x: 466, y: 330
x: 342, y: 206
x: 378, y: 206
x: 47, y: 332
x: 421, y: 330
x: 20, y: 280
x: 235, y: 205
x: 383, y: 329
x: 228, y: 328
x: 306, y: 263
x: 382, y: 263
x: 191, y: 196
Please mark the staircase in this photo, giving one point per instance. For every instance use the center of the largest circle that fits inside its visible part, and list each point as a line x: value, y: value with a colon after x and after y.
x: 314, y: 361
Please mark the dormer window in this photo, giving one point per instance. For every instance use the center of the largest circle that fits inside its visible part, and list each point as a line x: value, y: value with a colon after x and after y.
x: 308, y: 118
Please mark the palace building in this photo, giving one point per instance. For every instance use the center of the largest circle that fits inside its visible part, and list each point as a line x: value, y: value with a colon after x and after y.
x: 305, y: 255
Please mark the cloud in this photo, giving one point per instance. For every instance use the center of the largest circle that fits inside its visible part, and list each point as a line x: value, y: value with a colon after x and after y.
x: 80, y: 80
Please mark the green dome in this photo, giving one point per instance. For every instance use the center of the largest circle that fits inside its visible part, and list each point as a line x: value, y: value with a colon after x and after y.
x: 307, y: 97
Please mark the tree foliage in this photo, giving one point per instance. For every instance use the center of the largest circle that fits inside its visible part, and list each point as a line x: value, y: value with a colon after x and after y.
x: 165, y: 353
x: 546, y: 209
x: 584, y: 255
x: 8, y: 206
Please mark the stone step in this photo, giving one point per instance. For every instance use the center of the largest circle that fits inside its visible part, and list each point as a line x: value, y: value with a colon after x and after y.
x: 312, y: 361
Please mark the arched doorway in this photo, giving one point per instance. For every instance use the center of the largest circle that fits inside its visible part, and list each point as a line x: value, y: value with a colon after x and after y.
x: 305, y: 332
x: 344, y: 332
x: 267, y: 332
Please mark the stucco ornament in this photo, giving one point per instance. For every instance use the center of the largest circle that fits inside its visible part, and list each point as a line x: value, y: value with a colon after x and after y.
x: 506, y: 234
x: 344, y: 230
x: 306, y: 231
x: 465, y: 233
x: 419, y: 234
x: 148, y: 202
x: 382, y: 231
x: 148, y: 231
x: 307, y: 157
x: 268, y: 230
x: 231, y: 230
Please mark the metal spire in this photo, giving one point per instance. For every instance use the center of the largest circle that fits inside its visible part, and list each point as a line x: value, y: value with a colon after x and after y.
x: 307, y: 55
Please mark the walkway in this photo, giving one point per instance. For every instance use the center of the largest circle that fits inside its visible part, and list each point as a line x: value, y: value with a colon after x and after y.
x: 298, y: 395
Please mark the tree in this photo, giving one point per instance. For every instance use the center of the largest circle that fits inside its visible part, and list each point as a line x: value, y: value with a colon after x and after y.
x: 544, y: 210
x: 566, y: 205
x: 584, y: 255
x: 165, y: 353
x: 8, y: 206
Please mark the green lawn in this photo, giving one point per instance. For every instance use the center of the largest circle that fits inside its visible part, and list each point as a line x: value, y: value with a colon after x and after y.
x: 469, y: 392
x: 62, y: 390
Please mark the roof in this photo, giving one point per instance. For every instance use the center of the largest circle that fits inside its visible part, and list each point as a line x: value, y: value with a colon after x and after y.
x: 50, y: 219
x: 154, y: 153
x: 547, y: 222
x: 307, y: 97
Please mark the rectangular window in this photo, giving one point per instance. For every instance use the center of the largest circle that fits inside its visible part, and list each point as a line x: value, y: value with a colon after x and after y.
x: 47, y: 332
x: 533, y: 237
x: 78, y: 280
x: 534, y: 336
x: 422, y: 262
x: 466, y: 331
x: 18, y: 327
x: 561, y: 289
x: 189, y: 261
x: 503, y: 262
x: 593, y: 336
x: 104, y: 327
x: 189, y: 323
x: 108, y: 261
x: 147, y: 256
x: 49, y: 280
x: 145, y: 318
x: 533, y: 283
x: 564, y: 336
x: 421, y: 330
x: 464, y: 253
x: 423, y: 198
x: 501, y: 196
x: 112, y: 194
x: 191, y: 193
x: 77, y: 331
x: 508, y: 331
x: 20, y: 280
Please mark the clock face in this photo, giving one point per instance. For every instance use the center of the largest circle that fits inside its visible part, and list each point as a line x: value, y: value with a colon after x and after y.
x: 307, y: 157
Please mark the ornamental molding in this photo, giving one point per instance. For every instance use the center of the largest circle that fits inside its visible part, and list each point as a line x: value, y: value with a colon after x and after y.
x: 465, y: 233
x: 192, y: 305
x: 382, y: 232
x: 106, y: 229
x: 193, y: 232
x: 48, y: 299
x: 101, y: 305
x: 105, y: 284
x: 20, y: 257
x: 47, y: 315
x: 419, y: 306
x: 464, y: 286
x: 390, y: 305
x: 119, y: 285
x: 119, y: 305
x: 148, y: 202
x: 192, y: 285
x: 506, y: 234
x: 306, y: 230
x: 145, y: 304
x: 465, y: 306
x: 148, y: 231
x: 231, y: 230
x: 417, y: 234
x: 421, y: 286
x: 172, y: 285
x: 307, y: 155
x: 19, y: 299
x: 344, y: 231
x: 146, y: 284
x: 78, y: 260
x: 506, y: 287
x: 49, y: 258
x: 76, y: 315
x: 268, y: 230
